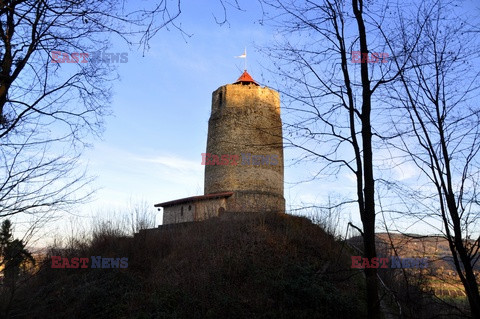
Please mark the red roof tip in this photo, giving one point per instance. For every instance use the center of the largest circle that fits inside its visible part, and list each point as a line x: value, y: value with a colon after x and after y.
x: 245, y: 78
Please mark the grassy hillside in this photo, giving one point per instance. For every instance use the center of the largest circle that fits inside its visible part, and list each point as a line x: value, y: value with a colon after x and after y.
x: 240, y: 266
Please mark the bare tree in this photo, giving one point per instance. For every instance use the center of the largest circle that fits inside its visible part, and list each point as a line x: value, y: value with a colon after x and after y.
x: 54, y: 94
x: 141, y: 216
x: 440, y: 132
x: 331, y: 99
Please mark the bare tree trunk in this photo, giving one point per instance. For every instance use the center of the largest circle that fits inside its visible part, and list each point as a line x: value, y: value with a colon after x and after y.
x: 368, y: 213
x: 457, y: 246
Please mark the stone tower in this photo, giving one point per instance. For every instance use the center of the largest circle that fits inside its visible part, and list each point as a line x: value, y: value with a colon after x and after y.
x: 245, y: 121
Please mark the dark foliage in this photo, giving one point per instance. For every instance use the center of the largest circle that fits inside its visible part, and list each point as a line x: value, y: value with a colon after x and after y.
x: 243, y: 266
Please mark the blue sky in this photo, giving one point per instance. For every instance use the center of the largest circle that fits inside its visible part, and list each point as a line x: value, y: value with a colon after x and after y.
x: 152, y: 145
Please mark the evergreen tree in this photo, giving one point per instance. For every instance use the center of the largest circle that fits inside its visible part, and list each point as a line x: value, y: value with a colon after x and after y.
x: 12, y: 253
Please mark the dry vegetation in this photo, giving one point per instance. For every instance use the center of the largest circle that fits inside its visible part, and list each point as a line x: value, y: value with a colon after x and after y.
x: 241, y: 266
x: 421, y: 293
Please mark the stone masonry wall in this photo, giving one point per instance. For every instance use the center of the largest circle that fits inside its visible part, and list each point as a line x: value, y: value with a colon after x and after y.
x: 210, y: 208
x: 246, y: 119
x: 179, y: 213
x: 255, y: 202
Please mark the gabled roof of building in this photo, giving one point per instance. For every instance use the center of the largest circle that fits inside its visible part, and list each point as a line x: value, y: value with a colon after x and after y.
x: 194, y: 199
x: 245, y: 78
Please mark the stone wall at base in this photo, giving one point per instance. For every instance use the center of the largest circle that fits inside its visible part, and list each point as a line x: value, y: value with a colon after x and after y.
x: 255, y: 202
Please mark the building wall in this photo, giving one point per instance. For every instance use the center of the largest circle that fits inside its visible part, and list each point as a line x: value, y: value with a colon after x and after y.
x: 193, y: 211
x: 246, y: 119
x: 255, y: 202
x: 210, y: 208
x: 179, y: 213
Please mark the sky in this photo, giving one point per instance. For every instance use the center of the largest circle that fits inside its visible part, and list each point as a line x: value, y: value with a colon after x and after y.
x: 151, y: 149
x: 152, y: 145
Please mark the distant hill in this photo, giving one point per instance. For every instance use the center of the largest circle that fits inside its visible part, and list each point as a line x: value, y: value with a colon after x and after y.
x: 441, y: 275
x: 434, y: 247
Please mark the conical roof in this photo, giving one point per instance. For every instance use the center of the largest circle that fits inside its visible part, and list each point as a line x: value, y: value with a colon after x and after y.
x: 245, y: 78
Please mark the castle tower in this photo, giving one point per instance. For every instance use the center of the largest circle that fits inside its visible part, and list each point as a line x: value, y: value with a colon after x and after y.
x: 245, y: 121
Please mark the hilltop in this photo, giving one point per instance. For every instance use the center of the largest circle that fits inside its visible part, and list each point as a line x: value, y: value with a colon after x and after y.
x: 237, y: 266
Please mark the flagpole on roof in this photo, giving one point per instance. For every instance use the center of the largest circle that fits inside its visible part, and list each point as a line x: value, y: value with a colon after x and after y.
x: 244, y: 56
x: 245, y: 53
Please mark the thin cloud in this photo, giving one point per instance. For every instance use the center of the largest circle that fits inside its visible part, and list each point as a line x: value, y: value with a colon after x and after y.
x: 172, y: 162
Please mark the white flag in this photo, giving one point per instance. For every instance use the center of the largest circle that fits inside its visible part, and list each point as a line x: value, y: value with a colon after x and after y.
x: 244, y: 55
